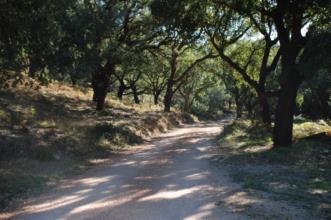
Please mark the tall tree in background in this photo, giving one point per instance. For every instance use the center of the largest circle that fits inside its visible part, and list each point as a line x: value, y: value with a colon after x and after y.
x: 181, y: 34
x: 253, y: 58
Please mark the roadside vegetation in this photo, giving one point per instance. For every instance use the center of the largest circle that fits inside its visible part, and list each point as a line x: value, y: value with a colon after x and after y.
x: 54, y: 132
x: 84, y: 79
x: 300, y: 174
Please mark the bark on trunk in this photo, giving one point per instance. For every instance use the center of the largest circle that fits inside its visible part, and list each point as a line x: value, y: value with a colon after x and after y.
x: 168, y: 98
x: 239, y: 112
x: 120, y: 92
x: 135, y: 95
x: 170, y: 84
x: 187, y: 103
x: 94, y: 98
x: 156, y: 98
x: 101, y: 94
x: 100, y: 83
x: 284, y: 117
x: 238, y: 108
x: 73, y: 81
x: 286, y: 105
x: 265, y: 109
x: 249, y: 111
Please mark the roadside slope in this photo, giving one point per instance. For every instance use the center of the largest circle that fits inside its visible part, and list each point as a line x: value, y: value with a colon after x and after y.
x: 54, y: 132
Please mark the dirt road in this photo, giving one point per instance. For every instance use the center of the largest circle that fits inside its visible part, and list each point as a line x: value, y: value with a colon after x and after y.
x: 170, y: 177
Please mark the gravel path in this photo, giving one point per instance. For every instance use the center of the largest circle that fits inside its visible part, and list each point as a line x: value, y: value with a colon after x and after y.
x: 170, y: 177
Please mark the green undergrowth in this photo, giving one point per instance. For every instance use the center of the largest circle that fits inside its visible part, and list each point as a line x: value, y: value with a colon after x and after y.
x: 57, y: 126
x: 300, y: 174
x: 23, y: 177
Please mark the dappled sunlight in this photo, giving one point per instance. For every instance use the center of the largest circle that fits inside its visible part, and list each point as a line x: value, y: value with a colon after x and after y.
x: 173, y: 194
x: 155, y: 162
x: 95, y: 181
x: 256, y: 149
x: 126, y: 163
x: 240, y: 199
x: 198, y: 176
x: 203, y: 212
x: 107, y: 203
x: 54, y: 204
x: 168, y: 175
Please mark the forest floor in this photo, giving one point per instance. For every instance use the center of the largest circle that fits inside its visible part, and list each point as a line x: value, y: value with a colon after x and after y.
x: 299, y: 174
x: 173, y: 176
x: 51, y: 133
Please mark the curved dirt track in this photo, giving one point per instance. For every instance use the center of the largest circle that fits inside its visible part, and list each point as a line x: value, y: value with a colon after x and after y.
x: 170, y: 177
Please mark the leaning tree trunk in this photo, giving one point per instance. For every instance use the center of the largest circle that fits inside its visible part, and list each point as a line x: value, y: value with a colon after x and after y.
x: 283, y: 129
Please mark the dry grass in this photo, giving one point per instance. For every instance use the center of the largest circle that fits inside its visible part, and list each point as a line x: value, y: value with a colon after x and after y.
x: 57, y: 126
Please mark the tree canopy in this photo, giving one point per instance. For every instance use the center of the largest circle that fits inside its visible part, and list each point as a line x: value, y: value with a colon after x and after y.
x: 266, y: 59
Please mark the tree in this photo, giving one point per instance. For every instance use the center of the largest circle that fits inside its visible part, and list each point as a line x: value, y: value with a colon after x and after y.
x: 288, y: 19
x: 176, y: 78
x: 180, y: 35
x: 253, y: 59
x: 28, y: 31
x: 315, y: 65
x: 155, y: 76
x: 197, y: 82
x: 131, y: 30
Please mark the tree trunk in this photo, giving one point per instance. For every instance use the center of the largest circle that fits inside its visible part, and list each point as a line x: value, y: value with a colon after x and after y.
x: 238, y: 108
x: 187, y: 103
x: 168, y: 99
x: 100, y: 83
x: 120, y: 92
x: 249, y: 108
x: 135, y: 94
x: 156, y: 98
x: 167, y: 102
x: 73, y: 80
x: 323, y: 102
x: 102, y: 90
x: 239, y: 112
x: 265, y: 109
x: 94, y: 98
x: 286, y: 105
x: 94, y: 87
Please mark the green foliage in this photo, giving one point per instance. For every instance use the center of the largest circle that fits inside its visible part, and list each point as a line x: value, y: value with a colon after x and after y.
x: 315, y: 64
x: 13, y: 185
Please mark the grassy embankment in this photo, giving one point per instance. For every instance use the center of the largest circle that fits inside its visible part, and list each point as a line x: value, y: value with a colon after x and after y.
x: 53, y: 133
x: 300, y: 174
